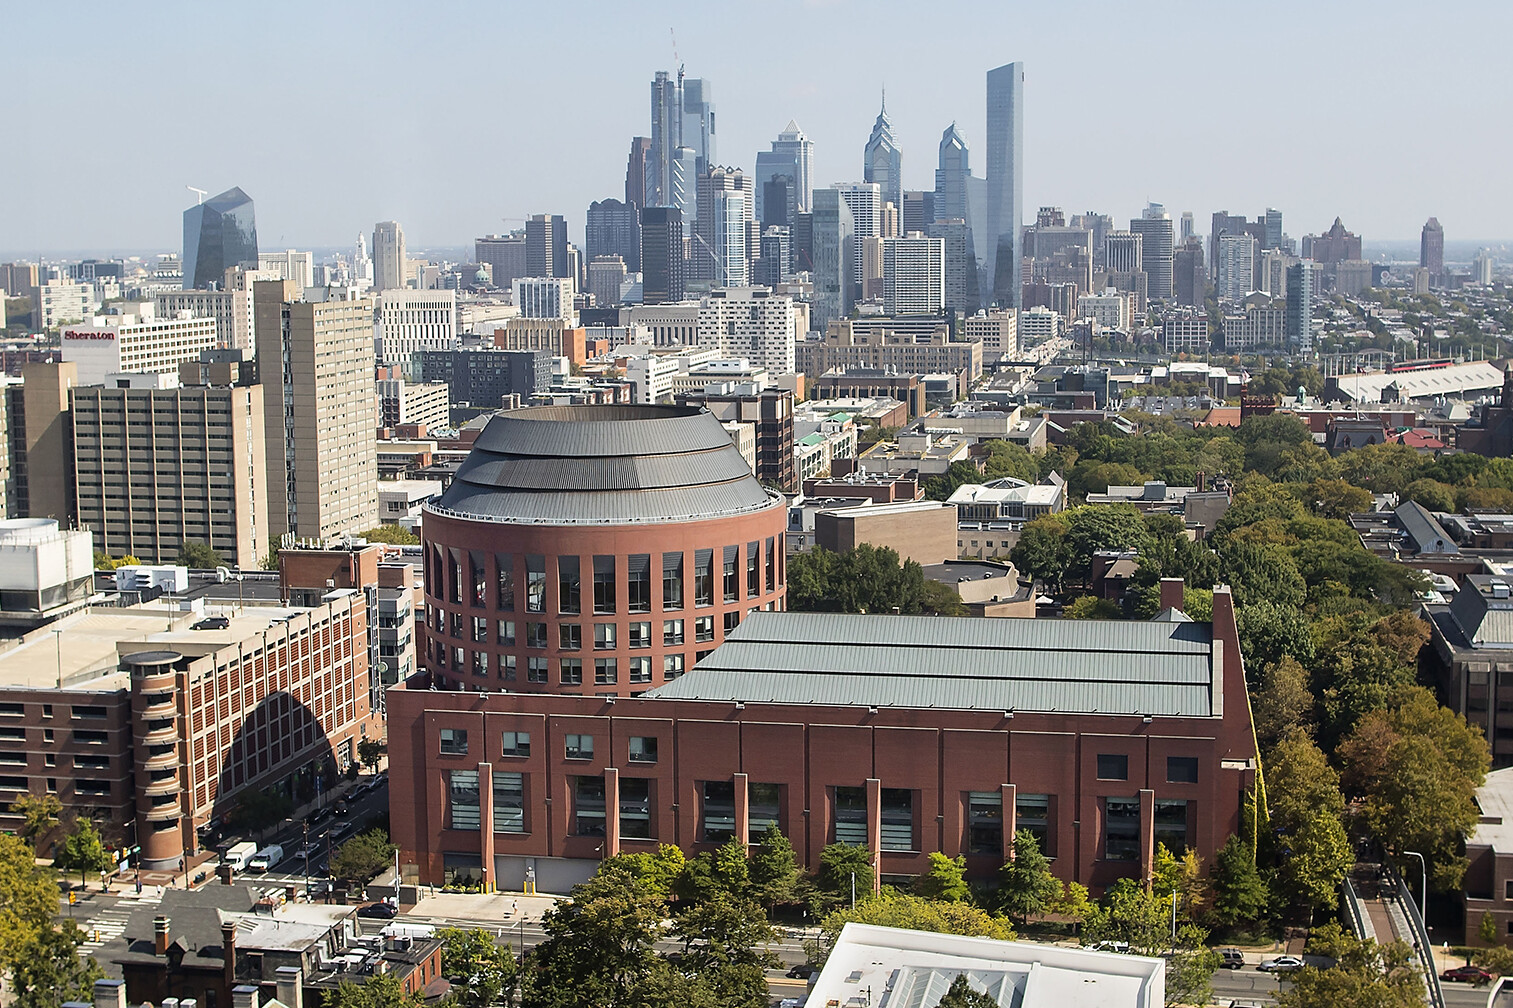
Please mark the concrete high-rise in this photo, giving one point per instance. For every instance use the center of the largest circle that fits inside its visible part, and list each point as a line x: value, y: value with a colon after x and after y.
x: 832, y: 249
x: 864, y: 200
x: 918, y: 211
x: 320, y: 409
x: 411, y: 320
x: 1301, y: 277
x: 1001, y: 247
x: 505, y: 255
x: 792, y: 154
x: 914, y: 275
x: 882, y: 161
x: 545, y: 297
x: 546, y: 246
x: 1157, y: 245
x: 661, y: 254
x: 606, y: 276
x: 219, y: 233
x: 388, y: 255
x: 1431, y: 248
x: 613, y: 228
x: 1273, y: 228
x: 1123, y: 252
x: 1189, y: 278
x: 750, y: 323
x: 720, y: 253
x: 289, y: 265
x: 1237, y: 267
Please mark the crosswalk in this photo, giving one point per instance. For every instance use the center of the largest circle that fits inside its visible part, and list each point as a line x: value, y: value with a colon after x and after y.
x: 110, y: 923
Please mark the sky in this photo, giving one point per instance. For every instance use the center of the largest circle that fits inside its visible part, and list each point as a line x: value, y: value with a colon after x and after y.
x: 458, y: 119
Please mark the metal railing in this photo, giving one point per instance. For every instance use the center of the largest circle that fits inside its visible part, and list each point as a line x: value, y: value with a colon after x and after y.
x: 1355, y: 911
x: 1422, y: 949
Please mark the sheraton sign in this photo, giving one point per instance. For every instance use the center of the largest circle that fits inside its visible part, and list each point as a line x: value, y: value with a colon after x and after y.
x: 88, y: 334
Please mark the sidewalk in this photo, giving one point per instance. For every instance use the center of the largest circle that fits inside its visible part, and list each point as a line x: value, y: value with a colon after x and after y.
x: 491, y: 908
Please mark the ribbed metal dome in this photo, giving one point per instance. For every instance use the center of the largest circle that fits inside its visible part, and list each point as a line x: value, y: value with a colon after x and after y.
x: 603, y: 465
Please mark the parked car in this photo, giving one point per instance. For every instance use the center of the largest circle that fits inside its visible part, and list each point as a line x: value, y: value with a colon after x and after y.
x: 212, y: 623
x: 1280, y: 964
x: 342, y: 808
x: 803, y: 971
x: 1112, y: 946
x: 1230, y: 959
x: 382, y: 911
x: 1467, y: 974
x: 320, y: 887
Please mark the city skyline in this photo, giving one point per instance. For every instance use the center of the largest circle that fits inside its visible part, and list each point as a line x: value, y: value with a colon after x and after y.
x: 391, y: 169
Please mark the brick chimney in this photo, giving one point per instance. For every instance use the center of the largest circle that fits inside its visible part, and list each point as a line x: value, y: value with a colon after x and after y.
x: 110, y: 994
x: 291, y: 986
x: 160, y: 935
x: 1171, y: 593
x: 228, y: 952
x: 244, y: 996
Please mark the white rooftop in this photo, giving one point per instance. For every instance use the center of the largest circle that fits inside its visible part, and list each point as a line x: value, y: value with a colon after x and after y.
x: 1004, y: 490
x: 1495, y: 799
x: 898, y: 968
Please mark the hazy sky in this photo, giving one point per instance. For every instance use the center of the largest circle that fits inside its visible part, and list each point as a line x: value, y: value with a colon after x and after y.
x: 450, y: 116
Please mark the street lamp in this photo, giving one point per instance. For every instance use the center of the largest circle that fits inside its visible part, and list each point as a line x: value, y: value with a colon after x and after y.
x: 1423, y: 887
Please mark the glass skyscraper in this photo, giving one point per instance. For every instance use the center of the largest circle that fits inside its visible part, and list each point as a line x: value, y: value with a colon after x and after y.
x: 883, y: 162
x: 1001, y: 245
x: 831, y: 244
x: 218, y: 234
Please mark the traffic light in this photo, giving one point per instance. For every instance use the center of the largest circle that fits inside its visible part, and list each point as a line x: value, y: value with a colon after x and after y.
x: 72, y: 897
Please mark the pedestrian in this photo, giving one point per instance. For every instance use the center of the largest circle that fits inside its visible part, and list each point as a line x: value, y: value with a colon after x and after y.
x: 515, y: 909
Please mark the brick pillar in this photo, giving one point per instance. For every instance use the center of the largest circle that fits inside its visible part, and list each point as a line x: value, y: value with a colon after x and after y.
x: 1147, y: 835
x: 1010, y: 794
x: 611, y: 812
x: 875, y: 830
x: 742, y: 810
x: 1172, y: 594
x: 485, y: 824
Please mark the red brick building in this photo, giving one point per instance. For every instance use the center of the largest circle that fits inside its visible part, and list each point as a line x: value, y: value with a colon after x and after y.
x: 903, y: 734
x: 595, y: 549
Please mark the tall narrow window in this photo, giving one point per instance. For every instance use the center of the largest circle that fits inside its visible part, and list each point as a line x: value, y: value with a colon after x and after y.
x: 635, y: 808
x: 897, y: 819
x: 504, y: 574
x: 732, y: 576
x: 588, y: 806
x: 771, y: 563
x: 764, y: 808
x: 604, y: 584
x: 703, y: 577
x: 1121, y: 829
x: 1171, y: 824
x: 509, y: 803
x: 851, y: 816
x: 753, y: 569
x: 717, y: 817
x: 985, y: 822
x: 454, y: 576
x: 638, y: 582
x: 478, y: 577
x: 569, y: 587
x: 535, y: 583
x: 462, y: 793
x: 672, y: 580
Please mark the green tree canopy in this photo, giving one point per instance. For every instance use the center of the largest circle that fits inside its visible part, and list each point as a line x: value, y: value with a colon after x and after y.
x: 199, y: 556
x: 1306, y: 807
x: 963, y: 995
x: 381, y: 991
x: 482, y: 971
x: 892, y: 908
x: 1026, y: 883
x: 39, y: 814
x: 774, y: 870
x: 1365, y: 974
x: 394, y: 535
x: 83, y: 851
x: 363, y: 856
x: 945, y: 879
x: 841, y: 865
x: 1240, y: 893
x: 864, y: 579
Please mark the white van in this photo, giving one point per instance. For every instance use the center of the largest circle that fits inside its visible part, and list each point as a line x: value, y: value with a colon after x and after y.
x: 420, y: 932
x: 265, y: 859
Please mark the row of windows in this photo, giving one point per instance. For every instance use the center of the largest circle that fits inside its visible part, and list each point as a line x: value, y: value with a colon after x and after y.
x: 897, y: 813
x: 88, y: 712
x: 1179, y: 769
x: 455, y: 574
x: 570, y: 636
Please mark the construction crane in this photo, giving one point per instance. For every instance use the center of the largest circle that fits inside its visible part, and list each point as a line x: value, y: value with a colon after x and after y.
x: 675, y: 58
x: 200, y: 194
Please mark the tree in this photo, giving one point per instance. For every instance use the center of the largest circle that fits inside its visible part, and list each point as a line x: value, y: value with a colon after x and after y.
x: 842, y: 867
x: 962, y: 995
x: 83, y: 851
x: 1008, y: 459
x: 945, y: 879
x: 199, y: 556
x: 1026, y: 884
x: 1040, y: 552
x: 600, y: 946
x: 1073, y: 904
x: 29, y: 894
x: 262, y: 809
x: 1365, y: 974
x: 1104, y: 527
x: 662, y: 871
x: 48, y: 970
x: 891, y: 908
x: 1337, y: 498
x: 1432, y: 494
x: 394, y: 535
x: 1487, y: 928
x: 1418, y: 766
x: 381, y: 991
x: 39, y: 814
x: 1133, y: 914
x: 943, y: 486
x: 270, y: 559
x: 863, y: 579
x: 1282, y: 702
x: 370, y: 752
x: 363, y: 856
x: 1091, y: 607
x: 1240, y: 893
x: 1306, y: 806
x: 1190, y: 968
x: 774, y: 870
x: 482, y: 972
x: 724, y: 941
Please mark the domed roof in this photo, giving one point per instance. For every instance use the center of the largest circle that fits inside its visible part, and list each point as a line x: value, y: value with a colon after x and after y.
x: 603, y: 465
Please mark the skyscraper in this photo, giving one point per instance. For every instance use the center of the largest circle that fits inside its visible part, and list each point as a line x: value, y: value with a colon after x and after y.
x: 1155, y: 229
x: 792, y: 155
x: 951, y: 176
x: 864, y: 200
x: 834, y: 258
x: 666, y: 138
x: 1300, y: 291
x: 388, y: 255
x: 661, y: 254
x: 1273, y: 219
x: 719, y: 253
x: 320, y: 408
x: 1189, y: 278
x: 918, y: 211
x: 778, y: 199
x: 1187, y: 225
x: 1001, y: 245
x: 635, y: 171
x: 698, y: 120
x: 914, y: 277
x: 546, y: 246
x: 505, y: 255
x: 882, y: 162
x: 1237, y: 266
x: 1431, y: 247
x: 612, y: 228
x: 218, y: 234
x: 1123, y: 252
x: 960, y: 266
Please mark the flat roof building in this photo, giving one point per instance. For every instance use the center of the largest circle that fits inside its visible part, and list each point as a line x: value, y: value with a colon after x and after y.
x: 128, y: 343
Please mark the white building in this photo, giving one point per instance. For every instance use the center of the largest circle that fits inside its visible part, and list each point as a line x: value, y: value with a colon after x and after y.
x: 289, y: 265
x: 1237, y: 267
x: 407, y: 402
x: 58, y: 302
x: 1185, y: 331
x: 410, y: 320
x: 675, y: 324
x: 751, y: 323
x: 1258, y: 327
x: 112, y: 344
x: 545, y: 297
x: 914, y: 275
x: 865, y: 201
x: 1111, y: 309
x: 44, y: 570
x: 1038, y: 324
x: 997, y: 331
x: 389, y: 264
